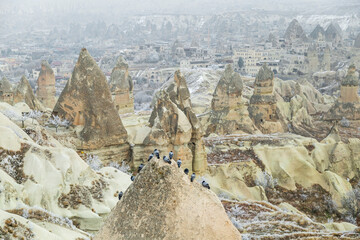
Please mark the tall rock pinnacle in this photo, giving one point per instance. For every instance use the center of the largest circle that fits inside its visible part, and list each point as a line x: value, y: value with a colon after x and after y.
x: 86, y: 101
x: 262, y: 108
x: 174, y: 127
x: 121, y: 87
x: 6, y: 91
x: 229, y: 114
x: 46, y: 85
x: 295, y: 32
x: 180, y: 95
x: 348, y: 104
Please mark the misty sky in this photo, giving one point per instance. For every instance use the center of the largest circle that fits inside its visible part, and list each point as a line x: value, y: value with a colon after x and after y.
x: 20, y: 15
x: 164, y: 6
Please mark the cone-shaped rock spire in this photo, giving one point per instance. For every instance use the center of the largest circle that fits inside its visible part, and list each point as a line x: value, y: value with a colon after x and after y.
x: 86, y: 100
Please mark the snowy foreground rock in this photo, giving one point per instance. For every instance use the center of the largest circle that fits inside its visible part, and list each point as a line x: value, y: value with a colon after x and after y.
x: 48, y: 184
x: 263, y: 220
x: 163, y: 203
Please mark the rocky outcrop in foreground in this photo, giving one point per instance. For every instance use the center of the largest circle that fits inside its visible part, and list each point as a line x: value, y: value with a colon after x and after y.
x: 47, y: 183
x: 162, y: 203
x: 263, y: 220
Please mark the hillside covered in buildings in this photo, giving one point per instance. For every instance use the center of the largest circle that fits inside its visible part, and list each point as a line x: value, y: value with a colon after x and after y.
x: 180, y: 120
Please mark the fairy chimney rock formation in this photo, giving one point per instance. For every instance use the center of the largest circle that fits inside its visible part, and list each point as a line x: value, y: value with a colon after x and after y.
x: 262, y: 108
x: 162, y: 203
x: 228, y: 112
x: 180, y: 95
x: 295, y: 32
x: 333, y: 34
x: 312, y: 59
x: 318, y: 33
x: 174, y: 127
x: 349, y: 86
x: 348, y: 104
x: 24, y: 93
x: 6, y: 91
x: 46, y: 85
x: 121, y: 87
x: 86, y: 101
x: 170, y: 130
x: 228, y: 91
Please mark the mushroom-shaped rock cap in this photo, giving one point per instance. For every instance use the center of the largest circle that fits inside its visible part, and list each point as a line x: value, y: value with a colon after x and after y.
x: 45, y: 66
x: 264, y: 74
x: 229, y: 83
x: 351, y: 78
x: 121, y: 63
x: 120, y: 78
x: 5, y: 85
x: 162, y: 203
x: 236, y: 83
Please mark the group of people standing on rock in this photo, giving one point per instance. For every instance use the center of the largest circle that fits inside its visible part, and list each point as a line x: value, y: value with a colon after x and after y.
x: 167, y: 159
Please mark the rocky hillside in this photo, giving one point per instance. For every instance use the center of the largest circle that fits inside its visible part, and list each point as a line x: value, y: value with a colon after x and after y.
x: 47, y: 184
x: 318, y: 178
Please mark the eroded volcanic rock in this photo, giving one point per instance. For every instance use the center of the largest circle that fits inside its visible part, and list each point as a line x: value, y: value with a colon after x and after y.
x: 38, y: 173
x: 170, y: 130
x: 348, y: 104
x: 173, y: 126
x: 262, y: 109
x: 24, y: 93
x: 318, y: 33
x: 229, y: 113
x: 263, y: 220
x: 21, y: 93
x: 121, y: 87
x: 5, y: 85
x: 6, y: 91
x: 333, y: 33
x: 86, y: 101
x: 295, y: 32
x: 46, y: 85
x: 180, y: 95
x: 162, y: 203
x: 228, y: 91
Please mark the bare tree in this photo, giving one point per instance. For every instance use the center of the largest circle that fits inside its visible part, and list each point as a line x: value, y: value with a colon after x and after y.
x: 58, y: 122
x: 34, y: 114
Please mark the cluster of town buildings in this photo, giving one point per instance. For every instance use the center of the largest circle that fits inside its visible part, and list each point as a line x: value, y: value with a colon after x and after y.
x: 294, y: 53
